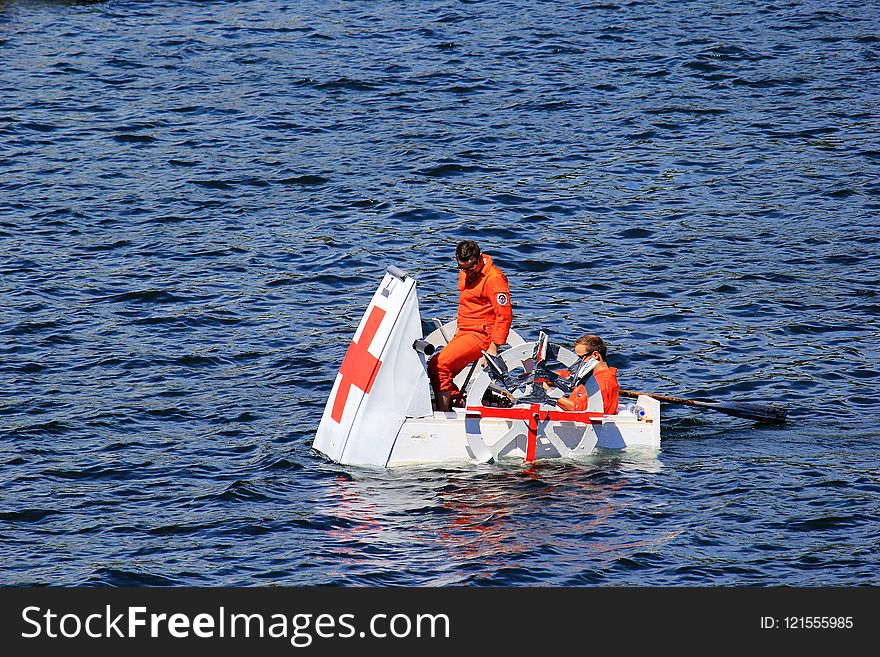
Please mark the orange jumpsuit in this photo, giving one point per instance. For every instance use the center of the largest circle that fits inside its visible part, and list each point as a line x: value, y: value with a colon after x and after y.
x: 484, y: 317
x: 607, y: 380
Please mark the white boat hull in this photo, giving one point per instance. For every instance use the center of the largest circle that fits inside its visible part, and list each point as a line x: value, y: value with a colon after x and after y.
x: 443, y: 437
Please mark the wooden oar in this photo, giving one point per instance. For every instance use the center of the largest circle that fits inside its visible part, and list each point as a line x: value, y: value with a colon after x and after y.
x: 748, y: 410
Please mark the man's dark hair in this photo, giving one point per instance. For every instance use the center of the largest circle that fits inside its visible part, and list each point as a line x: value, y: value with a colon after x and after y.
x: 593, y: 343
x: 467, y: 250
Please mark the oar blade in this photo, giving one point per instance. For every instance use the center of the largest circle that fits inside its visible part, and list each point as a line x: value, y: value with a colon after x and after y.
x: 751, y: 411
x: 747, y: 410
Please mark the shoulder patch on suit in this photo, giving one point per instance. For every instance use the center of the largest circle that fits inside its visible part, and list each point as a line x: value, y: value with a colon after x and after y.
x: 502, y: 299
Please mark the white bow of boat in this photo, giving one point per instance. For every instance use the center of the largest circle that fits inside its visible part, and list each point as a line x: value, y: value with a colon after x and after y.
x: 379, y: 411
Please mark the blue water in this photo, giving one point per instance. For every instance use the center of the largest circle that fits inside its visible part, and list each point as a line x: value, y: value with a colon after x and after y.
x: 197, y: 200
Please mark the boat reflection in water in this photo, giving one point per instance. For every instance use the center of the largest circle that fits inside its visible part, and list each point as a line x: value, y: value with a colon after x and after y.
x: 559, y: 523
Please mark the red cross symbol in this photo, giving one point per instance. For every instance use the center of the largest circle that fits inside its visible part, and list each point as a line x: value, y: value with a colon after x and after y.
x: 359, y: 367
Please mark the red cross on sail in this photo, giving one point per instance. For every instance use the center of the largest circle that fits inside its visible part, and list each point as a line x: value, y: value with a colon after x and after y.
x: 359, y: 367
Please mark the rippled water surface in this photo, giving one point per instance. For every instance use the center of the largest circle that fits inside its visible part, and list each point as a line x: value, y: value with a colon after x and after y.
x: 197, y: 200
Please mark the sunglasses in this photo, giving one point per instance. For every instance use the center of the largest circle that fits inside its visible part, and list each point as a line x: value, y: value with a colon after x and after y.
x: 470, y: 267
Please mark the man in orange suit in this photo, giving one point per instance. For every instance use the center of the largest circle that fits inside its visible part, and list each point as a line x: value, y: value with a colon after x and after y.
x: 586, y: 347
x: 484, y: 317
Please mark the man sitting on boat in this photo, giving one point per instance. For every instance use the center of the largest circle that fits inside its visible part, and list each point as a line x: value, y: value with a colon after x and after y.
x: 484, y: 318
x: 589, y: 347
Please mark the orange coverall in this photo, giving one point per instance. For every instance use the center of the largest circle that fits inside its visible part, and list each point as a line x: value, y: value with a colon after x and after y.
x: 607, y: 380
x: 484, y: 317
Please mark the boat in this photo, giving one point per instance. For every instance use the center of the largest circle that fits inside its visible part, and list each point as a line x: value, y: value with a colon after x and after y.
x: 380, y: 413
